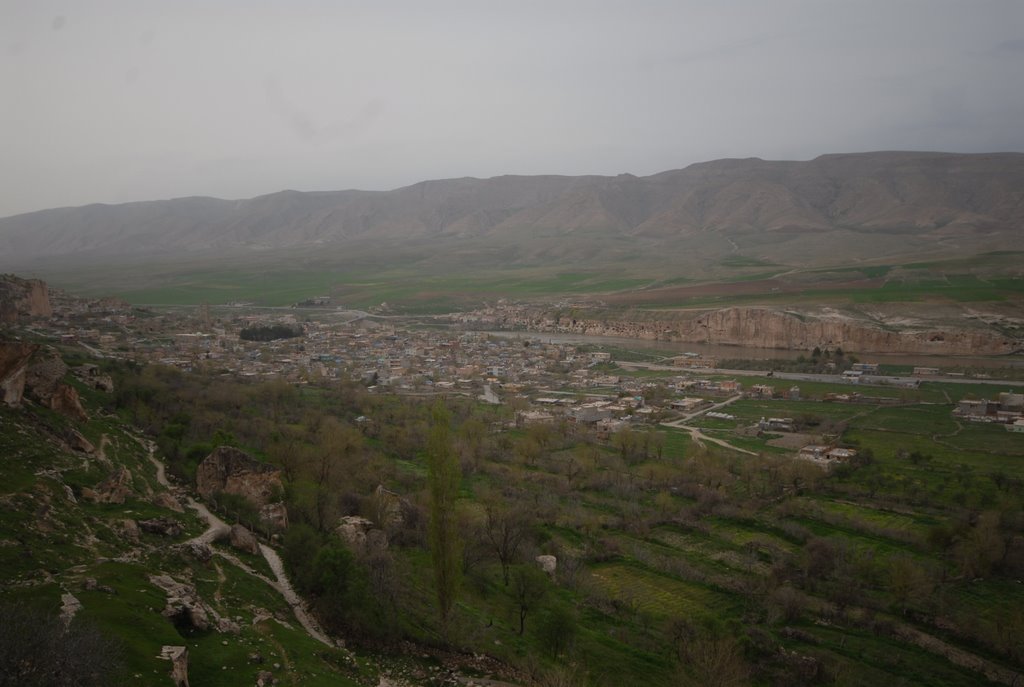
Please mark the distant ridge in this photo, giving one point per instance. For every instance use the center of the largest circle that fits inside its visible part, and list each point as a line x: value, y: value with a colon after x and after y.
x: 864, y: 203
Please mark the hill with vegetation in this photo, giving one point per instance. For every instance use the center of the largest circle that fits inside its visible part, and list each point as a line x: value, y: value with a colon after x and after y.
x: 441, y: 540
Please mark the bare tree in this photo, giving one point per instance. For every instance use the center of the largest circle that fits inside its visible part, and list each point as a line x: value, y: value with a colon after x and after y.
x: 37, y: 651
x: 443, y: 477
x: 505, y: 528
x: 529, y: 586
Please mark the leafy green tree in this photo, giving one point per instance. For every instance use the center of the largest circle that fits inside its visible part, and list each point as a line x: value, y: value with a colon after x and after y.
x: 443, y: 478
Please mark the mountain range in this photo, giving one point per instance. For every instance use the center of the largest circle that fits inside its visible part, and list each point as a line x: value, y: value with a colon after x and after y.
x: 835, y: 208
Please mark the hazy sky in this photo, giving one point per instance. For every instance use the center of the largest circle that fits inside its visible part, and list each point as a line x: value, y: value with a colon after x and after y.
x: 135, y: 100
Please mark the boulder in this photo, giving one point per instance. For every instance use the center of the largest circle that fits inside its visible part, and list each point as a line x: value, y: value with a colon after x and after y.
x: 274, y: 516
x: 352, y: 529
x: 361, y: 535
x: 91, y: 375
x: 198, y: 550
x: 44, y: 375
x: 114, y: 489
x: 127, y: 529
x: 230, y: 471
x: 178, y: 656
x: 166, y: 500
x: 69, y: 607
x: 184, y: 607
x: 167, y: 527
x: 65, y: 401
x: 77, y: 442
x: 244, y: 540
x: 548, y: 564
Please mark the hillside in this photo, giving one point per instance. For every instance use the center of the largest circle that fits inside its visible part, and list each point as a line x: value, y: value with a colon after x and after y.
x: 595, y: 542
x: 828, y: 210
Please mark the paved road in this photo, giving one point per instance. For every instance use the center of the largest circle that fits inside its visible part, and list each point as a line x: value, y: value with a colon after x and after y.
x: 867, y: 380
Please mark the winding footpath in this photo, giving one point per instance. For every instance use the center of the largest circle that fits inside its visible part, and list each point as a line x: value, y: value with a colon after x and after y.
x: 218, y: 529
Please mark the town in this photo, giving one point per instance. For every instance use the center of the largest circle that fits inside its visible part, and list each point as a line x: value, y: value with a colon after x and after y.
x: 541, y: 382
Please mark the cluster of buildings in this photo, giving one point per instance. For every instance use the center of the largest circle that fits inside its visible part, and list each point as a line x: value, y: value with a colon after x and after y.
x: 1007, y: 409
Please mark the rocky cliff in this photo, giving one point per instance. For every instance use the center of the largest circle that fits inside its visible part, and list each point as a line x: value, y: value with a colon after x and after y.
x: 770, y: 328
x: 230, y: 471
x: 764, y: 327
x: 23, y: 298
x: 14, y: 360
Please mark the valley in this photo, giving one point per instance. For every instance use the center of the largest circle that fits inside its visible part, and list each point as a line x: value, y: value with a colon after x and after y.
x: 840, y: 522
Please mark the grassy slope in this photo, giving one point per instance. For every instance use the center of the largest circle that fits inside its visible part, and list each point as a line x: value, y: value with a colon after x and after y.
x: 55, y: 549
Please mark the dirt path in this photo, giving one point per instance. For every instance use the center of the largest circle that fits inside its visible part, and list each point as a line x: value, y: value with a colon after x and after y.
x: 217, y: 529
x: 700, y: 437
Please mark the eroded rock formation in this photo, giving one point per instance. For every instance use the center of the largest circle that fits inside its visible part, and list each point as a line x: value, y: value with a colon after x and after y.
x: 231, y: 471
x: 765, y: 327
x: 244, y: 540
x: 114, y: 489
x: 14, y: 362
x: 178, y: 656
x: 23, y: 298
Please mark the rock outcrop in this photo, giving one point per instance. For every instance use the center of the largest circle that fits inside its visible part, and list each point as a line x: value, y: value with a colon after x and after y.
x: 165, y: 527
x: 178, y: 656
x: 167, y: 500
x: 244, y: 540
x: 771, y: 328
x: 43, y: 382
x: 77, y: 442
x: 65, y: 401
x: 23, y: 299
x: 94, y: 377
x: 186, y: 609
x: 14, y: 362
x: 230, y: 471
x: 765, y: 327
x: 114, y: 489
x: 548, y: 563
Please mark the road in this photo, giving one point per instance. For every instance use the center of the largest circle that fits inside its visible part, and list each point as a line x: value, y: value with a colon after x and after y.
x: 681, y: 422
x: 699, y: 436
x: 867, y: 380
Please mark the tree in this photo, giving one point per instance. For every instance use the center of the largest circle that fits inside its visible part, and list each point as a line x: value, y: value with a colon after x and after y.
x: 338, y: 444
x: 710, y: 655
x: 471, y: 437
x: 529, y: 585
x: 36, y: 650
x: 557, y: 630
x: 506, y: 528
x: 443, y: 477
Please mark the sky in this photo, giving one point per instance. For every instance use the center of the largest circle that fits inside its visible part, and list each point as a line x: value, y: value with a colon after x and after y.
x: 125, y: 100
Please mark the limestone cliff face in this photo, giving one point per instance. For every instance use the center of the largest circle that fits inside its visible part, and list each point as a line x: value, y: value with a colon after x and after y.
x: 774, y: 329
x: 14, y: 361
x: 762, y: 327
x: 23, y: 298
x: 231, y: 471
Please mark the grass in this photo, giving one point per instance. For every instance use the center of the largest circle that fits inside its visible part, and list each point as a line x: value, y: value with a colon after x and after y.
x: 659, y: 595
